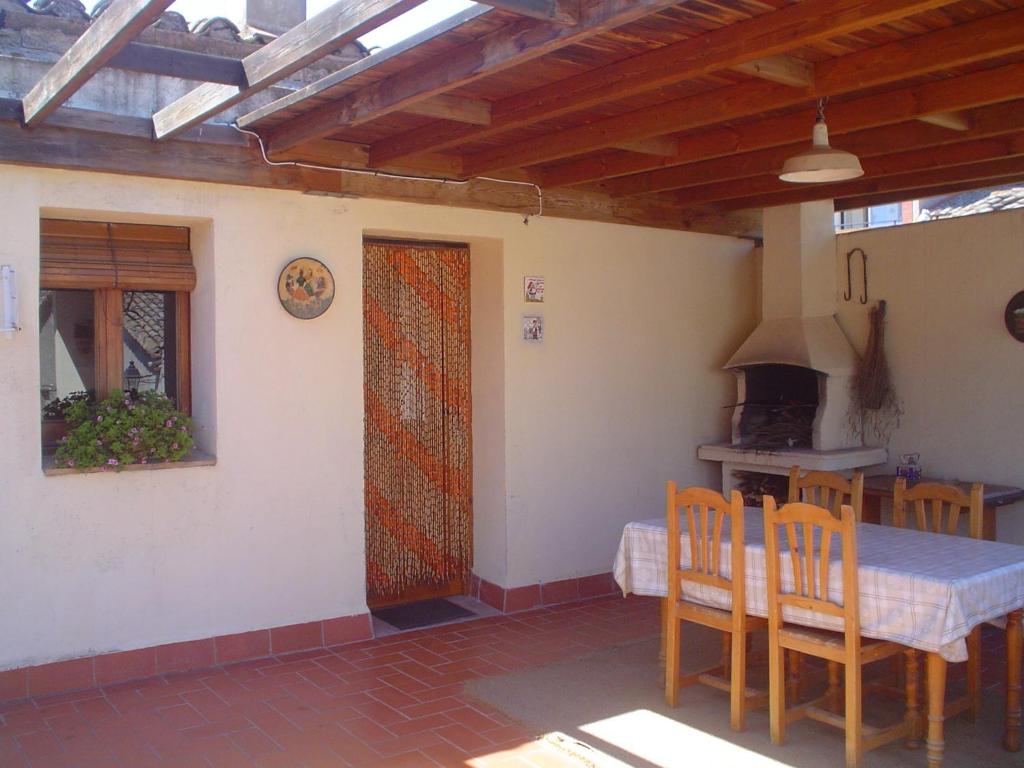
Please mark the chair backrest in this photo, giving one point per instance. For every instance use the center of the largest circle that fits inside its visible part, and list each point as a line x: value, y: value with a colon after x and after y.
x: 705, y: 513
x: 936, y: 507
x: 808, y: 552
x: 828, y: 489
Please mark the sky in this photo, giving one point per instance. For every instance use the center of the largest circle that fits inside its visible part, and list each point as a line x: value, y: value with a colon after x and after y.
x: 398, y: 29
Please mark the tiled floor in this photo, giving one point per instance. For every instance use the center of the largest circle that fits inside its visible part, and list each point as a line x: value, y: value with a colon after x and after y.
x: 393, y: 701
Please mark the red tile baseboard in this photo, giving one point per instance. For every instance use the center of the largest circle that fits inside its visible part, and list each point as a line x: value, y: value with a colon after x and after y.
x: 530, y: 596
x: 120, y: 667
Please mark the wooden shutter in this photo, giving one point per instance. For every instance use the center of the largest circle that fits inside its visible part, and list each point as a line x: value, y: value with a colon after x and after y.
x: 95, y: 254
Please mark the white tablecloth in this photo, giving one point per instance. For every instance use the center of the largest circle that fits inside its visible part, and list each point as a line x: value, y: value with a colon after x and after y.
x: 924, y: 590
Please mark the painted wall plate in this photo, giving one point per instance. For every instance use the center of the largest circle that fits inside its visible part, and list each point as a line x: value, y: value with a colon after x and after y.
x: 305, y: 288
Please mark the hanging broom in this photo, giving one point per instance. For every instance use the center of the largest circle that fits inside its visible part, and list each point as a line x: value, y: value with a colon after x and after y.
x: 872, y: 387
x: 875, y: 405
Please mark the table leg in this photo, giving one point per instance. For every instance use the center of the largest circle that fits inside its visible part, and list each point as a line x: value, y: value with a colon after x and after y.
x: 1014, y: 646
x: 936, y: 705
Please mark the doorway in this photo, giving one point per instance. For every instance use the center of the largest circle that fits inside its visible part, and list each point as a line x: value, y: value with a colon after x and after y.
x: 418, y: 413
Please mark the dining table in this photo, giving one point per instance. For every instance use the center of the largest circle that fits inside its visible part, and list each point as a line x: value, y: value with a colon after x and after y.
x: 925, y: 590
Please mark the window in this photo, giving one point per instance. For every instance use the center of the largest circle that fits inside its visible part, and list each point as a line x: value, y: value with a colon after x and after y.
x: 113, y: 312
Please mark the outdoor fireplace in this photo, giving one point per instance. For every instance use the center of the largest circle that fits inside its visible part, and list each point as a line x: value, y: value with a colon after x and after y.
x: 793, y: 372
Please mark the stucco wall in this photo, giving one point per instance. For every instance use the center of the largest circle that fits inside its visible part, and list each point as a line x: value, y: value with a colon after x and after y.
x: 956, y: 370
x: 573, y: 437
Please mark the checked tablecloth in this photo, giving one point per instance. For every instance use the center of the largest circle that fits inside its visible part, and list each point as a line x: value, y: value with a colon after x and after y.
x: 924, y: 590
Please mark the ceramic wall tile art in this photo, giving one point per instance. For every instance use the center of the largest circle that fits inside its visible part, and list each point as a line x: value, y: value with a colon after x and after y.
x: 306, y: 288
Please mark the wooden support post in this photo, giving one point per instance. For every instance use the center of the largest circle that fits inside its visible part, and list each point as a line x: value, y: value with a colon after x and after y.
x: 936, y: 706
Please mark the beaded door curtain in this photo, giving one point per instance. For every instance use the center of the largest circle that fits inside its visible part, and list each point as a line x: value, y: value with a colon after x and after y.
x: 418, y: 420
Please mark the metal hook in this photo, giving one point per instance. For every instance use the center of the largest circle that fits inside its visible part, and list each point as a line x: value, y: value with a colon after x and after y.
x: 849, y: 276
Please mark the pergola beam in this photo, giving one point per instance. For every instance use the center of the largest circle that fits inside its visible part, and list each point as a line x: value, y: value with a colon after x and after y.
x: 106, y: 36
x: 991, y: 37
x: 955, y: 93
x: 502, y: 49
x: 329, y: 30
x: 900, y: 163
x: 769, y: 34
x: 977, y: 175
x: 174, y: 62
x: 322, y: 88
x: 787, y: 70
x: 988, y: 121
x: 557, y: 11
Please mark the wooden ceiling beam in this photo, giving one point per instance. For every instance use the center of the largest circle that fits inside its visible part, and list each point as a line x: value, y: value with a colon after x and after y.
x: 883, y: 198
x: 769, y: 34
x: 954, y: 121
x: 990, y: 121
x: 660, y: 146
x: 458, y: 109
x: 336, y: 81
x: 348, y: 154
x: 947, y: 156
x: 556, y: 11
x: 175, y: 62
x: 103, y: 39
x: 907, y: 185
x: 73, y: 150
x: 504, y: 48
x: 787, y: 70
x: 329, y: 30
x: 990, y: 37
x: 956, y: 93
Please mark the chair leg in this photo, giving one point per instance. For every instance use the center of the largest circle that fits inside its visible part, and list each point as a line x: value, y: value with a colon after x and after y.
x: 672, y: 630
x: 776, y: 689
x: 794, y: 676
x: 852, y: 714
x: 738, y: 683
x: 974, y: 673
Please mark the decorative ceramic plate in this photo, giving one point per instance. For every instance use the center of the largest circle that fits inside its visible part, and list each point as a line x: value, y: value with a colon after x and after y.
x: 306, y: 288
x: 1015, y: 316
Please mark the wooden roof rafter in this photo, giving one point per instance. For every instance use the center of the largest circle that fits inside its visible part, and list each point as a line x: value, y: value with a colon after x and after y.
x: 329, y: 30
x: 986, y: 38
x: 505, y: 48
x: 745, y: 44
x: 103, y: 40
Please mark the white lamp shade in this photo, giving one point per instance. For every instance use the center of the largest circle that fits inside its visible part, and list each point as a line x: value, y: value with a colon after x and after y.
x: 821, y: 162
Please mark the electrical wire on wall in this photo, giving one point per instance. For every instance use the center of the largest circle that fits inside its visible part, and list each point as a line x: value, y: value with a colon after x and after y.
x: 399, y: 176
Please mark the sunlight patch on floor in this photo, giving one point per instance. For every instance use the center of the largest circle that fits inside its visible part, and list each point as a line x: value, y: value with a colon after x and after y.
x: 667, y: 743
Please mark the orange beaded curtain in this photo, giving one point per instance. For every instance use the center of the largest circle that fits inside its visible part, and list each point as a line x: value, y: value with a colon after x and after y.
x: 418, y: 418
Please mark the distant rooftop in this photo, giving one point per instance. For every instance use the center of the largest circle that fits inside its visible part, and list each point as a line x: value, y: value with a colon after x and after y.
x: 1002, y: 198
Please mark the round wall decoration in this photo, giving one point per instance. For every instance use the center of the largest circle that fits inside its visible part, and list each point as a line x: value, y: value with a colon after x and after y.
x: 306, y: 288
x: 1015, y: 316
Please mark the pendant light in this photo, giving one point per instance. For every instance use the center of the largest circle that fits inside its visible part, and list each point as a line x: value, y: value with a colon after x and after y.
x: 821, y: 162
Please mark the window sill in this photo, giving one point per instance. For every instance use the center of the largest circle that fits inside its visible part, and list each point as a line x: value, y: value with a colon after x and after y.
x: 193, y: 459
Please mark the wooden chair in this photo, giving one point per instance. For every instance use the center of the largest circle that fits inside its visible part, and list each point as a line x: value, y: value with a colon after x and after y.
x: 706, y: 512
x: 809, y: 557
x: 936, y: 507
x: 828, y: 489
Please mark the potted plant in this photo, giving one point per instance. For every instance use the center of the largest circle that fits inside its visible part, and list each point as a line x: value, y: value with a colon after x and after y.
x: 55, y: 424
x: 124, y: 429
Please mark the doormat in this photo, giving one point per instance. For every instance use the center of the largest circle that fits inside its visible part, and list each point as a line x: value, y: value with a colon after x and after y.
x: 425, y: 613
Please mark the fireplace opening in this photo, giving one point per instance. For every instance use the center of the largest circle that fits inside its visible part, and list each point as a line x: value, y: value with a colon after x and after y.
x: 756, y: 485
x: 779, y: 406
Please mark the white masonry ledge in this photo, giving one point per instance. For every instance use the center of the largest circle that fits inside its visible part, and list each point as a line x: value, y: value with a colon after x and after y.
x: 784, y: 458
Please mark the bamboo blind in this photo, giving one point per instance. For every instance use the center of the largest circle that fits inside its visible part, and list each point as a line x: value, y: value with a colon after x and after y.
x: 418, y: 422
x: 94, y: 254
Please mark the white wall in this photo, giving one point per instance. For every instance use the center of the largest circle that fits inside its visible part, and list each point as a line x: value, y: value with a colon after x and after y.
x: 572, y: 437
x: 957, y: 371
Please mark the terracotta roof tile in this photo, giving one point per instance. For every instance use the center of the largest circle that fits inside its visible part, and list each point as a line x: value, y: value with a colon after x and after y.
x: 1000, y: 198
